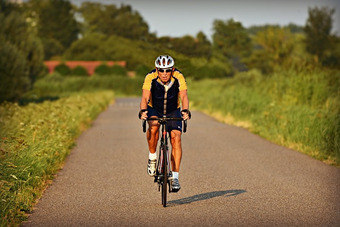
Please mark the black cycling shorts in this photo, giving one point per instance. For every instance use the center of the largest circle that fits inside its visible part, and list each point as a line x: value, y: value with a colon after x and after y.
x: 172, y: 125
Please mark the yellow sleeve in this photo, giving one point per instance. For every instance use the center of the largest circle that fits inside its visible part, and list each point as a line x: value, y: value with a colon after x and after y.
x: 148, y: 81
x: 181, y: 80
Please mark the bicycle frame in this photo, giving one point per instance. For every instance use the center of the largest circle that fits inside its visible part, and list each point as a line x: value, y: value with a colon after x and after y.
x: 163, y: 170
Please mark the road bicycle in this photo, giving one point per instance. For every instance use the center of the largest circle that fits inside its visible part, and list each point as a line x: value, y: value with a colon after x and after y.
x: 163, y: 170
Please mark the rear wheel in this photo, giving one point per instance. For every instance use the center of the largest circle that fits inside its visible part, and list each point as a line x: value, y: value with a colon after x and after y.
x: 165, y: 177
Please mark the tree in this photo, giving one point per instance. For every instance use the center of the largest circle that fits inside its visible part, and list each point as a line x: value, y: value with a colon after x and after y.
x: 185, y: 45
x: 111, y: 20
x: 232, y: 40
x: 204, y: 47
x: 57, y: 26
x: 21, y: 53
x: 278, y: 43
x: 101, y: 47
x: 318, y: 31
x: 188, y: 45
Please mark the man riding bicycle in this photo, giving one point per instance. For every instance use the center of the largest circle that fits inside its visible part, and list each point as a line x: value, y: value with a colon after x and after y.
x: 164, y: 89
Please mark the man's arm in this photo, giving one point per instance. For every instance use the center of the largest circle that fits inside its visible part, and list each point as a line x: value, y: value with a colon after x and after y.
x: 144, y: 103
x: 185, y: 103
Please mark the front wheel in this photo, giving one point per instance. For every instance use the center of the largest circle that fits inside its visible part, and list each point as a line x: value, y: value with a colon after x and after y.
x: 165, y: 177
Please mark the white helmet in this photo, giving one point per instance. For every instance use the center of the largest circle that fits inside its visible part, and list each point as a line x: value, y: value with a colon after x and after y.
x: 164, y: 61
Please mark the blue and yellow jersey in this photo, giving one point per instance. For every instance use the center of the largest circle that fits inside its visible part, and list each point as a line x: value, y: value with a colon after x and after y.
x: 164, y: 98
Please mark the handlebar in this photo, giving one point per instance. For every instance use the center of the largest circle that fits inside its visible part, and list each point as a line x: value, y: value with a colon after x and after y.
x: 163, y: 120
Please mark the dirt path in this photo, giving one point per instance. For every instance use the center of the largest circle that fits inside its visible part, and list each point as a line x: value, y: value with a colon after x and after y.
x: 229, y: 177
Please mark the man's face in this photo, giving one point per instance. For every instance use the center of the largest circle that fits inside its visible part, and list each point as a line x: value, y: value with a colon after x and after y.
x: 164, y: 74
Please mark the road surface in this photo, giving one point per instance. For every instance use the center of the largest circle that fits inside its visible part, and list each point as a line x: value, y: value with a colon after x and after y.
x: 229, y: 177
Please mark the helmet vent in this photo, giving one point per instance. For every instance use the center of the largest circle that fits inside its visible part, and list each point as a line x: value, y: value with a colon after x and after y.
x: 164, y: 61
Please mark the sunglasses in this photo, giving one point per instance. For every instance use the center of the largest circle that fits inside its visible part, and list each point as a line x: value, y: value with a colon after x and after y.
x: 164, y: 70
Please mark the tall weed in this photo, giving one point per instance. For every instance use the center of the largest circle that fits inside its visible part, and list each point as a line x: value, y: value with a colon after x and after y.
x: 34, y: 141
x: 297, y: 109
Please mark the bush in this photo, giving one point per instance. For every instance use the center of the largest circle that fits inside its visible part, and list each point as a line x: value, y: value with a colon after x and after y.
x: 209, y: 72
x: 63, y: 69
x: 142, y: 70
x: 79, y: 71
x: 118, y: 70
x: 103, y: 70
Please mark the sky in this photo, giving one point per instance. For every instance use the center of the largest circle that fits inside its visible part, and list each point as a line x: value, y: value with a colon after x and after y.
x: 176, y: 18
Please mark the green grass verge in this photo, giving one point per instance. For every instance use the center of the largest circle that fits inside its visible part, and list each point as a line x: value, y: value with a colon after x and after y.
x: 299, y: 110
x: 56, y: 85
x: 34, y: 141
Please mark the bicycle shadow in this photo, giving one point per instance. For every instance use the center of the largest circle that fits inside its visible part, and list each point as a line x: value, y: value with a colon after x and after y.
x: 206, y: 196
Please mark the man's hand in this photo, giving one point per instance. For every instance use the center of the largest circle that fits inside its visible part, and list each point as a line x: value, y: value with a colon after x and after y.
x: 186, y: 114
x: 143, y: 114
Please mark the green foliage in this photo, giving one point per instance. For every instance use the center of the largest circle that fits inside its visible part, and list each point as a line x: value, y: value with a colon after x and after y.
x: 297, y: 109
x: 101, y: 47
x: 52, y: 48
x: 119, y: 70
x: 274, y: 47
x: 63, y: 69
x: 57, y: 85
x: 190, y: 46
x: 20, y: 53
x: 90, y: 47
x: 293, y: 28
x: 203, y: 47
x: 57, y: 25
x: 111, y: 20
x: 103, y: 69
x: 13, y: 72
x: 277, y: 42
x: 35, y: 139
x: 79, y: 71
x: 231, y: 39
x: 199, y: 68
x: 318, y: 31
x: 332, y: 56
x: 209, y: 72
x: 142, y: 70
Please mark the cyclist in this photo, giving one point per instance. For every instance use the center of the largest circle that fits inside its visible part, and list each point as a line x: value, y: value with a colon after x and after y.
x: 164, y: 89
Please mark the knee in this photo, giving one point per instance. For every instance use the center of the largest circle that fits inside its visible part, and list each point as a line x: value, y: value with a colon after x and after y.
x: 176, y: 137
x: 153, y: 128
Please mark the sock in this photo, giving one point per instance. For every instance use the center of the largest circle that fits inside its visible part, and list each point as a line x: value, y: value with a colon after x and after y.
x: 175, y: 174
x: 152, y: 156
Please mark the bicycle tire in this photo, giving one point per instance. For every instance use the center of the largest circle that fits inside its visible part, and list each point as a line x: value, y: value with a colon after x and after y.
x: 165, y: 177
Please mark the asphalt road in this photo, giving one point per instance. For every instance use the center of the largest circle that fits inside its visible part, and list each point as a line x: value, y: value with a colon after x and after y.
x: 229, y: 177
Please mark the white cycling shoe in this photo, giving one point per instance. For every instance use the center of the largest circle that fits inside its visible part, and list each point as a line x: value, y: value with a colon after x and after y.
x: 152, y: 167
x: 175, y: 186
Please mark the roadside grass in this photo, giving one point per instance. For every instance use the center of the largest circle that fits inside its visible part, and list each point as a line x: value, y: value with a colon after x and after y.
x: 296, y: 109
x: 34, y: 141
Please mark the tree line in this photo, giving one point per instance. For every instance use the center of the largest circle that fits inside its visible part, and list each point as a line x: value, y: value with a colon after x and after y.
x: 57, y: 30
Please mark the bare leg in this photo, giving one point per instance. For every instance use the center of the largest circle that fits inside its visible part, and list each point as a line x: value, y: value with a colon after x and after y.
x: 176, y: 154
x: 152, y: 135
